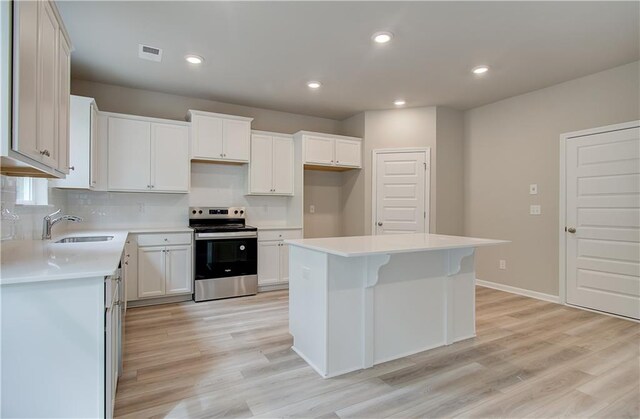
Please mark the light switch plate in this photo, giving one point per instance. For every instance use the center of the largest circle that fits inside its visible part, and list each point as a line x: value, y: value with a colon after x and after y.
x: 312, y: 209
x: 533, y: 189
x: 535, y: 210
x: 502, y: 264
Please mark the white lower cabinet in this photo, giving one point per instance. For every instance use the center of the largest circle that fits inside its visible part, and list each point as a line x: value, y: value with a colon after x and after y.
x: 268, y: 262
x: 273, y: 256
x: 164, y: 270
x: 178, y: 269
x: 151, y: 272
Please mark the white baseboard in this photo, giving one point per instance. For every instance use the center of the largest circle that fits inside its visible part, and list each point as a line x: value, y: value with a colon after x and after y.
x: 273, y: 287
x: 520, y: 291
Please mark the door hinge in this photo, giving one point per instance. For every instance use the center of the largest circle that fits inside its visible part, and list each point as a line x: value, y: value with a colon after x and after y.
x: 425, y: 215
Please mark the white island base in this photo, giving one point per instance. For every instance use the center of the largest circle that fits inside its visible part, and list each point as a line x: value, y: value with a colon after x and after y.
x: 356, y: 304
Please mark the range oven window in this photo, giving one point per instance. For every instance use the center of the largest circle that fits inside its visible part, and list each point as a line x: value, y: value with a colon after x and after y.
x: 221, y: 258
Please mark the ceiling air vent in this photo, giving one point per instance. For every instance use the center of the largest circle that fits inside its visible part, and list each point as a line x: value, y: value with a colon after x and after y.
x: 149, y: 53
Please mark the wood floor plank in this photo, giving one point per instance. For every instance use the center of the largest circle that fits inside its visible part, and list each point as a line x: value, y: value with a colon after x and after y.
x: 233, y: 358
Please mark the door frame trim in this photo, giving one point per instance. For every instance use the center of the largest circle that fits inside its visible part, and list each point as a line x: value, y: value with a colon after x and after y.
x: 562, y: 198
x: 427, y: 183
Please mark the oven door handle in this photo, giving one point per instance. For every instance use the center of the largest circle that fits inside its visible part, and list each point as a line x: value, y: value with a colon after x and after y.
x: 236, y: 235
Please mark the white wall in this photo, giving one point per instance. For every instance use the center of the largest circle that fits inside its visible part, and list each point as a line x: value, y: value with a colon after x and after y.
x: 411, y: 127
x: 515, y: 142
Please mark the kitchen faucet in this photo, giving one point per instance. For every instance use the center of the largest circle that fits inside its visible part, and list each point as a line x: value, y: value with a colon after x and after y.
x: 48, y: 222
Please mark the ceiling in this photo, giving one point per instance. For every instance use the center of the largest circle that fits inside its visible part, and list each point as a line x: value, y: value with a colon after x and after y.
x: 263, y: 53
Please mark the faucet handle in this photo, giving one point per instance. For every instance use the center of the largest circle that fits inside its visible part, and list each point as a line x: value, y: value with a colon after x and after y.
x: 54, y: 213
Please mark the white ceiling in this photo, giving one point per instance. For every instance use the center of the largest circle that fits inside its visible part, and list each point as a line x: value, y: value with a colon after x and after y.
x: 263, y: 53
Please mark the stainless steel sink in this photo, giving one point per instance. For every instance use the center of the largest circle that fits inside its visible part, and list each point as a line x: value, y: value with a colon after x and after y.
x: 83, y: 239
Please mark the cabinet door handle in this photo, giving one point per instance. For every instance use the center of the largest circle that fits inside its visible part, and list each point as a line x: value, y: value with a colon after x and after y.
x: 126, y: 263
x: 72, y: 168
x: 45, y: 153
x: 221, y: 155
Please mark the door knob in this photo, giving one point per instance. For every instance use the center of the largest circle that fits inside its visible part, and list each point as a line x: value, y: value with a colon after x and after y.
x: 379, y: 223
x: 571, y: 230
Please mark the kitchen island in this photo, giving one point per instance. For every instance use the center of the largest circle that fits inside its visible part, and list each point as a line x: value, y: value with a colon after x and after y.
x: 359, y: 301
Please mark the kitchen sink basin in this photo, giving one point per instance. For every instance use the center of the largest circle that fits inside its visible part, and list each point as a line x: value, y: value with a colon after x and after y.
x: 84, y: 239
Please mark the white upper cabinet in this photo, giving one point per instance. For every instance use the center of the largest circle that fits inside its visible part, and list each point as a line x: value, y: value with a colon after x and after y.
x: 219, y: 137
x: 64, y: 105
x: 335, y: 152
x: 41, y: 87
x: 47, y: 136
x: 283, y: 165
x: 271, y: 168
x: 319, y: 150
x: 348, y: 153
x: 261, y: 166
x: 83, y: 153
x: 146, y: 155
x: 129, y: 155
x: 169, y: 158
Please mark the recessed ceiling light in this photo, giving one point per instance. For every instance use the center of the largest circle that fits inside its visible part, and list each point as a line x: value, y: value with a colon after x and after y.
x: 382, y: 37
x: 194, y: 59
x: 481, y: 69
x: 314, y: 84
x: 399, y: 102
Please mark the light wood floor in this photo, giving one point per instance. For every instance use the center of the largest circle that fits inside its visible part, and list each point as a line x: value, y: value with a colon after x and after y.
x: 232, y: 358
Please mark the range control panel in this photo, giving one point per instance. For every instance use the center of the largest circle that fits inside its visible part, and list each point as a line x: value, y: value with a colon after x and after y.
x: 216, y: 212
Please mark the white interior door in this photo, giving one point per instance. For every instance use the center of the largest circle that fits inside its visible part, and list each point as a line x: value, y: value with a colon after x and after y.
x: 603, y: 206
x: 401, y: 192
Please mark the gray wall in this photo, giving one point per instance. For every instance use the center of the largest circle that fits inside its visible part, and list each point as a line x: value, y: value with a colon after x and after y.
x: 450, y: 170
x: 323, y: 190
x: 113, y: 98
x: 353, y: 220
x: 515, y: 142
x: 411, y: 127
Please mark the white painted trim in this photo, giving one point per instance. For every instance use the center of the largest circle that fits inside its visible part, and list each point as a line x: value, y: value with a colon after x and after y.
x: 520, y: 291
x: 427, y: 182
x: 273, y: 287
x: 562, y: 198
x: 308, y: 361
x: 603, y: 312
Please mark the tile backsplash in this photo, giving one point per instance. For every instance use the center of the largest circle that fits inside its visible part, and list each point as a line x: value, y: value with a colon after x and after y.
x: 24, y: 222
x: 211, y: 185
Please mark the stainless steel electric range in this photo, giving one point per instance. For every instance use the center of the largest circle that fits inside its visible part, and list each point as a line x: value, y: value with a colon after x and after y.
x: 226, y: 253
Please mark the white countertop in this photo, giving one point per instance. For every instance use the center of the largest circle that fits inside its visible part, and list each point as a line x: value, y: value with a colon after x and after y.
x: 26, y: 261
x: 391, y: 243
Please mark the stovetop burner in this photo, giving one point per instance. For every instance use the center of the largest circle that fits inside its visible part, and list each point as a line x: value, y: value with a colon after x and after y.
x: 218, y: 219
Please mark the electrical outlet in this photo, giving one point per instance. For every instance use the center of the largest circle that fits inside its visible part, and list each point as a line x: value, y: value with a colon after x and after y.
x: 312, y: 209
x: 533, y: 189
x: 502, y: 264
x: 141, y: 207
x: 535, y: 210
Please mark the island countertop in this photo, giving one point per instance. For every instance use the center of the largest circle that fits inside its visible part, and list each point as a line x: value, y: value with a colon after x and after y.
x: 391, y: 243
